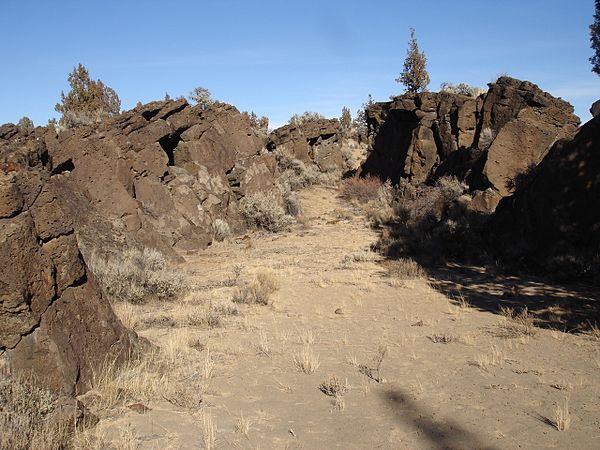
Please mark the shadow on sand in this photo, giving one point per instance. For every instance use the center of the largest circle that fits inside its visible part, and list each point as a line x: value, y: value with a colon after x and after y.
x: 569, y: 308
x: 441, y: 434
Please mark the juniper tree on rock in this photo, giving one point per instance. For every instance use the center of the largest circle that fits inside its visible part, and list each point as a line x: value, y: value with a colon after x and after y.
x: 595, y: 40
x: 346, y: 119
x: 202, y: 97
x: 88, y: 101
x: 414, y: 76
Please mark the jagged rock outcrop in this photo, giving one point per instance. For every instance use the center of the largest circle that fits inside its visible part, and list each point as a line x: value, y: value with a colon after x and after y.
x: 160, y: 174
x: 314, y: 141
x: 413, y: 134
x: 489, y: 141
x: 553, y: 218
x: 54, y: 321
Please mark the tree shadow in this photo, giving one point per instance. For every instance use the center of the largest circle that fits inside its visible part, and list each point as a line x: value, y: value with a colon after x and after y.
x: 443, y: 434
x: 566, y: 307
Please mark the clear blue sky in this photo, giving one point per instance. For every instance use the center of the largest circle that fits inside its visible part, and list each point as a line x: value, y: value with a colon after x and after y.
x: 278, y: 58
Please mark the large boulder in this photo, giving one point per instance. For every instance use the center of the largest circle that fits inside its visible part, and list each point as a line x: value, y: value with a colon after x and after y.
x: 316, y: 142
x: 553, y: 218
x: 414, y: 133
x: 490, y: 141
x: 54, y: 322
x: 524, y: 122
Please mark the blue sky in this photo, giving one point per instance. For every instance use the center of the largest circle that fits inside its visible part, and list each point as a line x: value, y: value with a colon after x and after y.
x: 278, y: 58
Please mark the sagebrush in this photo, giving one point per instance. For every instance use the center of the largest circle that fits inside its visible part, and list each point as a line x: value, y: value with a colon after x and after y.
x: 137, y: 276
x: 264, y: 211
x: 29, y: 416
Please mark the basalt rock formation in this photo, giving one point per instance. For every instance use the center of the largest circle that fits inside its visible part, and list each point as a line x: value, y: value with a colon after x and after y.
x: 159, y: 175
x: 552, y: 221
x: 489, y: 141
x: 314, y: 141
x: 156, y: 176
x: 54, y: 321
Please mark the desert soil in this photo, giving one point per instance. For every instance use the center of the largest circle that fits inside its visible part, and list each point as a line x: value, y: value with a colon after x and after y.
x: 451, y: 375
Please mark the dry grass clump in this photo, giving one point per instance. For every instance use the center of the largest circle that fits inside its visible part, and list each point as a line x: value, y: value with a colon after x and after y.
x: 208, y: 314
x: 374, y: 370
x: 364, y: 256
x: 334, y: 386
x: 306, y: 360
x: 259, y: 291
x: 264, y: 211
x: 442, y: 338
x: 361, y: 189
x: 242, y: 425
x: 209, y: 430
x: 517, y: 324
x: 115, y: 385
x: 137, y: 276
x: 486, y: 360
x: 220, y: 230
x: 405, y: 269
x: 128, y: 314
x: 562, y: 416
x: 30, y: 416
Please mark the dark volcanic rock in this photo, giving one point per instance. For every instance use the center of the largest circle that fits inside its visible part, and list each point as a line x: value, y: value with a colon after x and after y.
x: 159, y: 175
x: 489, y: 141
x: 553, y: 218
x: 415, y: 133
x: 314, y: 141
x: 53, y: 320
x: 595, y: 108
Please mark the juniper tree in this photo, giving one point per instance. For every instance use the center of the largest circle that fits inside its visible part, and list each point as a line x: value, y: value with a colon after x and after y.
x: 414, y: 76
x: 88, y: 101
x: 595, y: 40
x: 346, y: 119
x: 202, y: 97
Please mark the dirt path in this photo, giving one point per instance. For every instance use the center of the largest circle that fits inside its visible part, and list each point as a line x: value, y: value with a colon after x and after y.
x: 450, y: 376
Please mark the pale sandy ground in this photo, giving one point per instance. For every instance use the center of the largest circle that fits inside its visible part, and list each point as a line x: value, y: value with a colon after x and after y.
x: 482, y: 390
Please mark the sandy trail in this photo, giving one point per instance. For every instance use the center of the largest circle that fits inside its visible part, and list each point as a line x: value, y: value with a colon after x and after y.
x: 451, y: 377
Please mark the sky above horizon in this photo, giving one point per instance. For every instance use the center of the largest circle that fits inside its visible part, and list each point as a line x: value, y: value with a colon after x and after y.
x: 278, y: 58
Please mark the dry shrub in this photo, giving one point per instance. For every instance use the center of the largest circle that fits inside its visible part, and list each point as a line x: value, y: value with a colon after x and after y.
x: 334, y: 386
x: 433, y: 222
x: 361, y: 189
x: 517, y: 324
x: 264, y: 211
x: 220, y: 230
x: 306, y: 360
x: 137, y: 276
x: 562, y: 416
x: 209, y: 315
x: 258, y: 291
x: 30, y: 416
x: 405, y: 269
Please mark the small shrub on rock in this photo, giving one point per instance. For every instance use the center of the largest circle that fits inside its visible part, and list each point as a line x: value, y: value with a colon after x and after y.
x: 264, y: 211
x: 137, y: 276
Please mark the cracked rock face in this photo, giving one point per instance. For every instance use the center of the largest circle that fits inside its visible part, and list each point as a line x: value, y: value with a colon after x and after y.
x: 53, y: 320
x: 159, y: 175
x: 314, y: 142
x: 490, y: 141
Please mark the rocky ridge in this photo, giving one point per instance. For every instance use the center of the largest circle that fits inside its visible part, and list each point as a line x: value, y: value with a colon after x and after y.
x: 490, y: 140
